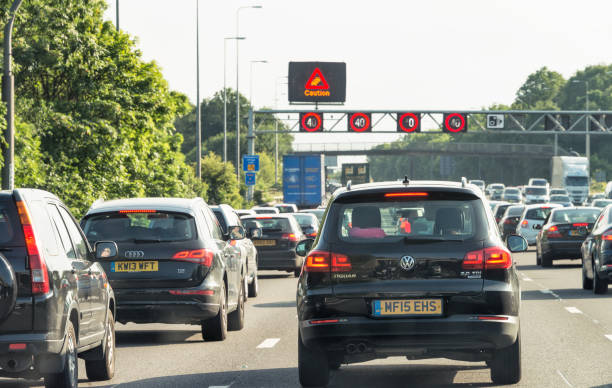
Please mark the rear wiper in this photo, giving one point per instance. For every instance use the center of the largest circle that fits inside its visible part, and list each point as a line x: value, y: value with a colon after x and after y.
x: 427, y: 240
x: 144, y: 241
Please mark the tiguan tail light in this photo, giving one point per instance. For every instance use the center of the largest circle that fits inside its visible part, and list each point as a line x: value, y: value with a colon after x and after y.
x: 323, y: 261
x: 607, y: 236
x: 473, y: 260
x: 497, y: 258
x: 38, y: 266
x: 524, y: 224
x: 197, y: 256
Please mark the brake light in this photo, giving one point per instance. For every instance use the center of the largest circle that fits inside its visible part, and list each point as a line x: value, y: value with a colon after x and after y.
x: 607, y: 236
x: 320, y: 321
x: 313, y: 234
x: 473, y: 260
x: 524, y: 224
x: 38, y: 266
x: 197, y: 256
x: 137, y: 211
x: 289, y: 237
x: 323, y: 261
x: 317, y: 261
x: 191, y: 292
x: 17, y: 346
x: 492, y: 318
x: 340, y: 263
x: 413, y: 194
x: 497, y: 258
x: 553, y: 232
x: 581, y: 224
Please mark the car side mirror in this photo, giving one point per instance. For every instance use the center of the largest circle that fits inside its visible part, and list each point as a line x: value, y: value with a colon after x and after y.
x: 254, y: 233
x: 303, y: 247
x: 106, y: 250
x: 516, y: 243
x: 235, y: 233
x: 537, y: 226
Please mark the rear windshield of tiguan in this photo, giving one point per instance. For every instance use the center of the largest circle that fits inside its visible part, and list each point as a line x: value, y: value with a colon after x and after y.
x: 392, y: 221
x: 140, y: 227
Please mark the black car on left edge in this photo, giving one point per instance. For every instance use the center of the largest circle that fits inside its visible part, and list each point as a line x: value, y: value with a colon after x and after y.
x: 447, y: 287
x: 597, y: 254
x: 174, y: 265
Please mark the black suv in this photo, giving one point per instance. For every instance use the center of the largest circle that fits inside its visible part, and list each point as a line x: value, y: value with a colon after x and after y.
x: 55, y: 300
x: 372, y: 287
x: 175, y: 265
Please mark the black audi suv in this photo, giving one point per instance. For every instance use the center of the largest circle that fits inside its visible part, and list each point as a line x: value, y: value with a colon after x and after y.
x: 446, y: 286
x: 174, y: 265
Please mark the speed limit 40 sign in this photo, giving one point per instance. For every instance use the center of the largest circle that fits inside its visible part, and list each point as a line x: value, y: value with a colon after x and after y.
x: 455, y: 122
x: 311, y: 122
x: 408, y: 122
x: 360, y: 122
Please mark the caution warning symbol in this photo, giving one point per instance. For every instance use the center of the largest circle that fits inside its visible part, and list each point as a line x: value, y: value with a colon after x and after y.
x: 317, y: 81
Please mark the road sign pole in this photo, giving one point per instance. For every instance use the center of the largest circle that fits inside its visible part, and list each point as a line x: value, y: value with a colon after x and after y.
x: 251, y: 148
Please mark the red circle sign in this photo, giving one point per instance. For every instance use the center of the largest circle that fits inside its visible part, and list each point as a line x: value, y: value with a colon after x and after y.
x: 408, y: 116
x: 305, y: 120
x: 451, y: 116
x: 365, y: 119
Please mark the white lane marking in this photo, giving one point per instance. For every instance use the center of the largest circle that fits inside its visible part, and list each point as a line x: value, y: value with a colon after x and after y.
x: 546, y: 291
x: 268, y: 343
x: 564, y: 379
x: 573, y: 310
x: 525, y: 278
x: 609, y: 336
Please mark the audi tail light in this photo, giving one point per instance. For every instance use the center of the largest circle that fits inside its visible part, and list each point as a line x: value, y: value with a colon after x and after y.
x: 553, y: 232
x: 197, y: 256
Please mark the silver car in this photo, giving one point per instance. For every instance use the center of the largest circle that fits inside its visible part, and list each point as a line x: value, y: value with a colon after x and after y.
x: 532, y: 220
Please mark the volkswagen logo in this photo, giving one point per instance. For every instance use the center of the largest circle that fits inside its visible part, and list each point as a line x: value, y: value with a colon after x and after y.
x: 407, y: 263
x: 134, y: 254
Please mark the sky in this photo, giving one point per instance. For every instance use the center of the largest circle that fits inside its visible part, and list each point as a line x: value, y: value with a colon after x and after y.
x: 401, y: 55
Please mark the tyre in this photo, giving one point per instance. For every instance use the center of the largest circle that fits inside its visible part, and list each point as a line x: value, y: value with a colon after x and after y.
x: 104, y: 369
x: 297, y: 272
x: 235, y: 320
x: 215, y: 329
x: 506, y: 364
x: 313, y: 366
x: 547, y: 260
x: 254, y: 286
x: 587, y: 284
x: 538, y: 258
x: 599, y: 286
x: 69, y: 377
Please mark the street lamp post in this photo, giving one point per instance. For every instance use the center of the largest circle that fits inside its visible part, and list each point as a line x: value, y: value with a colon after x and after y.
x: 251, y: 80
x: 198, y: 109
x: 225, y: 94
x: 238, y: 90
x: 586, y: 116
x: 8, y: 96
x: 276, y: 127
x: 117, y: 12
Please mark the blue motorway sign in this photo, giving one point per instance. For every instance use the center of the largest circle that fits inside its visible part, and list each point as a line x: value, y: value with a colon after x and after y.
x: 250, y: 163
x: 249, y: 179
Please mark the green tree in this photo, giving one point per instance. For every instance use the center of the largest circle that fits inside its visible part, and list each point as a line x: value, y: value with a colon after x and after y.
x: 539, y: 90
x: 221, y: 181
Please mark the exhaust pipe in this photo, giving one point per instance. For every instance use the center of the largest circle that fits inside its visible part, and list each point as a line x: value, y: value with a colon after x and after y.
x: 351, y: 349
x: 361, y: 347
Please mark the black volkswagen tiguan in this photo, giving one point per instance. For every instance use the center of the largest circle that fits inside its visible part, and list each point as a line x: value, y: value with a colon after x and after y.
x: 445, y: 287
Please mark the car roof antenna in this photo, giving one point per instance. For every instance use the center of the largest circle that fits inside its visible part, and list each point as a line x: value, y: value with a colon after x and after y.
x: 463, y: 181
x: 406, y: 180
x: 348, y: 185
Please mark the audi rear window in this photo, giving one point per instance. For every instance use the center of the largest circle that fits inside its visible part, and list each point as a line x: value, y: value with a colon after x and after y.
x: 575, y: 215
x: 394, y: 221
x: 140, y: 227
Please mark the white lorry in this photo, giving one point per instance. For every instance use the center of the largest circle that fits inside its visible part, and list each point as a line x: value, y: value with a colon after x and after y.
x: 572, y: 174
